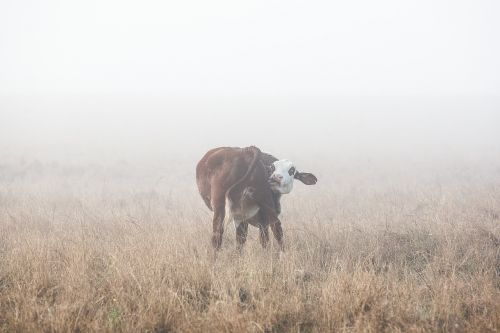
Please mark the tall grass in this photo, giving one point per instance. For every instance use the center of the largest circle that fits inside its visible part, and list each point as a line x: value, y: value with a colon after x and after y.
x: 371, y: 248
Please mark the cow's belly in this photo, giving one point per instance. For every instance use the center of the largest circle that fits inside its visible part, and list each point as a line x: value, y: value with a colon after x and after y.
x: 244, y: 214
x: 240, y: 215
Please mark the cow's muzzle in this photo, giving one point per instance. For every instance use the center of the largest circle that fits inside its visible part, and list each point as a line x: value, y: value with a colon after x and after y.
x: 275, y: 180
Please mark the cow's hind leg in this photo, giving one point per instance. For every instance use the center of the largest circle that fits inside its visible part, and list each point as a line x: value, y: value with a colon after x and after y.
x: 264, y: 235
x: 219, y: 208
x: 241, y: 235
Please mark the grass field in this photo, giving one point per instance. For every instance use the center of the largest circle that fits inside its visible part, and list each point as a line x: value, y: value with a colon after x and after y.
x: 374, y: 246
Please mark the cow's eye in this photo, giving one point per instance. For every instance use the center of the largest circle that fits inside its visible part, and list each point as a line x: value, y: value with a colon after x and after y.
x: 291, y: 172
x: 272, y: 168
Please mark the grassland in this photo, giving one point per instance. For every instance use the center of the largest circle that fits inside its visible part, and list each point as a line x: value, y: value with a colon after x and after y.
x: 375, y: 246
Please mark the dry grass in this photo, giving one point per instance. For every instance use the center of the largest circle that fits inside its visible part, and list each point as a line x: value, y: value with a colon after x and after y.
x: 386, y: 248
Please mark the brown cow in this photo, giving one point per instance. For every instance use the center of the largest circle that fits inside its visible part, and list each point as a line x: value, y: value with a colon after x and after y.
x: 250, y: 183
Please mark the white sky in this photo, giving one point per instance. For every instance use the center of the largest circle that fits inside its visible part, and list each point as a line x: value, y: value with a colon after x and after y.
x: 250, y: 48
x: 121, y: 78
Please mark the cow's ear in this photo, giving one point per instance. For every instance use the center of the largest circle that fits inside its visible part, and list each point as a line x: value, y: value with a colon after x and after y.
x: 306, y: 178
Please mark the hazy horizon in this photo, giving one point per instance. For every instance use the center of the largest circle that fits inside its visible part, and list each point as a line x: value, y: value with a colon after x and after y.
x: 105, y: 80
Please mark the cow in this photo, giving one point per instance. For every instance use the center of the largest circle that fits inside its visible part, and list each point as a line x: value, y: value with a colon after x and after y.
x: 248, y: 184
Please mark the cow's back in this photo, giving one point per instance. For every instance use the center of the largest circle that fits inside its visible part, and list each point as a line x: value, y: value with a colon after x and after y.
x: 212, y: 164
x: 220, y: 168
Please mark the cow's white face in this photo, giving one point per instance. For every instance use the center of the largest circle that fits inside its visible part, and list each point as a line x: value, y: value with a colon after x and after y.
x: 282, y: 176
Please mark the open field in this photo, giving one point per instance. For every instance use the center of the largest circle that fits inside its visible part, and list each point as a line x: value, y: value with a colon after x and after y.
x: 375, y: 246
x: 107, y: 106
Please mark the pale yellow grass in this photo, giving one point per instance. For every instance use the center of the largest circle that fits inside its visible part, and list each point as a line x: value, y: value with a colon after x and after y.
x: 371, y: 248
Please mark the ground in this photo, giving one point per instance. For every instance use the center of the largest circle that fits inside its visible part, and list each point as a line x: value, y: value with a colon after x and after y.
x: 373, y: 247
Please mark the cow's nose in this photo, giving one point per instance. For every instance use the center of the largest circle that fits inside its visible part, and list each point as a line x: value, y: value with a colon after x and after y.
x: 278, y: 177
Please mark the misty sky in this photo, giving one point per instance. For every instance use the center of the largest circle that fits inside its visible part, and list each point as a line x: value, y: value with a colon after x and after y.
x: 250, y: 48
x: 123, y: 78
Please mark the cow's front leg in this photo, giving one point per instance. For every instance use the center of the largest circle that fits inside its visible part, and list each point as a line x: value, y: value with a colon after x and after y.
x: 261, y: 222
x: 278, y: 234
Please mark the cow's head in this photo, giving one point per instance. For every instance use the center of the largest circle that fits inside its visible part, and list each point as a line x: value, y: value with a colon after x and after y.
x: 282, y: 174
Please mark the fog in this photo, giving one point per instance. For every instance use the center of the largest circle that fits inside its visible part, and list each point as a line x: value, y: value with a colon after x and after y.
x: 91, y: 129
x: 118, y: 80
x: 388, y: 109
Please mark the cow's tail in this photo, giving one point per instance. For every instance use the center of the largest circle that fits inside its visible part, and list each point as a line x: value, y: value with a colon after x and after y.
x: 256, y: 155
